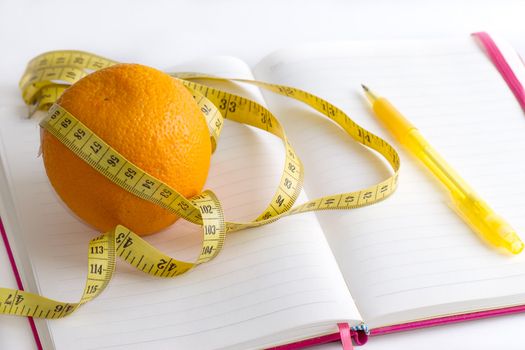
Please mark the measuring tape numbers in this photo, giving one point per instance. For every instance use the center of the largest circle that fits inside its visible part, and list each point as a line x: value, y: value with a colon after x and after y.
x: 49, y: 74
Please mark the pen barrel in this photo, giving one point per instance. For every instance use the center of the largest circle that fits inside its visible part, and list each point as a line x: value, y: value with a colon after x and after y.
x: 408, y: 135
x: 492, y: 228
x: 415, y: 143
x: 391, y: 118
x: 487, y: 224
x: 473, y: 210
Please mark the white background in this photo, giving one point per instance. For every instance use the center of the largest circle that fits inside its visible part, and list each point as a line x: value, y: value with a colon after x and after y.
x: 164, y: 33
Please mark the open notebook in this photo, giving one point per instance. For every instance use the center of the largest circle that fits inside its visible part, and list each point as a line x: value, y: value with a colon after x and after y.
x: 407, y: 258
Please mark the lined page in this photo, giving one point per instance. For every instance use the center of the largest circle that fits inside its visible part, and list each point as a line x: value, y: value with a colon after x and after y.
x: 410, y: 256
x: 267, y: 281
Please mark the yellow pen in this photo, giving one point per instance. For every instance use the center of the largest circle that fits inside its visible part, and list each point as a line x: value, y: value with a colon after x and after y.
x: 470, y: 207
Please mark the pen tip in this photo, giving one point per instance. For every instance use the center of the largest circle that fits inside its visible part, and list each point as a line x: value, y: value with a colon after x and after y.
x: 369, y: 94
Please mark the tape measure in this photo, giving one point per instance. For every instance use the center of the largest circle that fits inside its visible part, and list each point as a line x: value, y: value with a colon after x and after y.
x: 49, y: 74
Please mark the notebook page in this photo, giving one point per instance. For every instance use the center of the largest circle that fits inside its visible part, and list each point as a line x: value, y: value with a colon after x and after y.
x: 410, y: 256
x: 266, y: 281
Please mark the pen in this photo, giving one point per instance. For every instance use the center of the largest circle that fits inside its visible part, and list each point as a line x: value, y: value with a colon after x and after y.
x: 469, y: 206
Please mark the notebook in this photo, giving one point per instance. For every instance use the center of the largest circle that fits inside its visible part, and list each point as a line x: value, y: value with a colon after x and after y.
x: 405, y: 261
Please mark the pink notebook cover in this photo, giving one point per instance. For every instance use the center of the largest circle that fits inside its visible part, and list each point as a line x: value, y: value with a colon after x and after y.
x: 346, y: 335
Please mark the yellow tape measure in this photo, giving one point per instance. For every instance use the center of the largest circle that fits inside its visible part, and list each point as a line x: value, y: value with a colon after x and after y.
x: 49, y: 74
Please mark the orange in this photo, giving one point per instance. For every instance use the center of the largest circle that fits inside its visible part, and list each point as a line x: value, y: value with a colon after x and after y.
x: 153, y: 121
